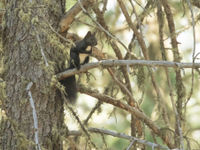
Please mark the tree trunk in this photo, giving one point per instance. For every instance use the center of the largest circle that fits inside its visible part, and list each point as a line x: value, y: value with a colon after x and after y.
x: 26, y: 36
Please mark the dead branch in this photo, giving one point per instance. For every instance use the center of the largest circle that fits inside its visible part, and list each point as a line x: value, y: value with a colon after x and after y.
x: 119, y: 135
x: 133, y: 27
x: 112, y: 63
x: 142, y: 44
x: 180, y: 89
x: 140, y: 115
x: 68, y: 18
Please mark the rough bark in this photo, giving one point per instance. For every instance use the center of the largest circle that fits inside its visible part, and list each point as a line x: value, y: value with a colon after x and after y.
x: 25, y: 33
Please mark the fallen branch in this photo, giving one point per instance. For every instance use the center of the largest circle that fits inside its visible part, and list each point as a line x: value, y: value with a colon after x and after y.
x: 112, y: 63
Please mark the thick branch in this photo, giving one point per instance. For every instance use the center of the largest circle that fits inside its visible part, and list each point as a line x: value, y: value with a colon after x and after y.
x: 68, y: 18
x: 112, y: 63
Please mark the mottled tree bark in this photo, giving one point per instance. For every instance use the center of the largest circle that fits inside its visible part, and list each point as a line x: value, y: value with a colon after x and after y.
x: 25, y: 34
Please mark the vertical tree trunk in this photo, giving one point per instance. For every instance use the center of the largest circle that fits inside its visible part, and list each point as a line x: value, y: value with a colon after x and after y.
x: 26, y: 33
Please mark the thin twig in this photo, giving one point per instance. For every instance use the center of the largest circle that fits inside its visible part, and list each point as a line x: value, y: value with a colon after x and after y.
x: 98, y: 104
x: 122, y: 86
x: 193, y: 55
x: 81, y: 125
x: 137, y: 18
x: 194, y: 50
x: 35, y: 120
x: 58, y: 34
x: 134, y: 29
x: 84, y: 129
x: 131, y: 144
x: 120, y: 135
x: 79, y: 121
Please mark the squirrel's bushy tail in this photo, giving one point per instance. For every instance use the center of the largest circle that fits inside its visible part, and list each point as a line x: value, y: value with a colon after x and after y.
x: 70, y: 87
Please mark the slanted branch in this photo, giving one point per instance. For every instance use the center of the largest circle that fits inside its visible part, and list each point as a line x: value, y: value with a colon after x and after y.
x: 69, y: 17
x: 119, y: 135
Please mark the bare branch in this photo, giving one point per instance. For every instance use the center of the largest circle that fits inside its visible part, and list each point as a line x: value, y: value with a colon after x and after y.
x: 140, y: 115
x: 78, y: 120
x: 194, y: 49
x: 68, y: 18
x: 125, y: 87
x: 98, y: 104
x: 112, y: 63
x: 130, y: 145
x: 142, y: 45
x: 124, y: 136
x: 119, y: 135
x: 133, y: 27
x: 180, y: 89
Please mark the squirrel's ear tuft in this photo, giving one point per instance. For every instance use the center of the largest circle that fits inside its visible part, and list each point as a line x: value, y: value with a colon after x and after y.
x: 94, y: 33
x: 88, y: 35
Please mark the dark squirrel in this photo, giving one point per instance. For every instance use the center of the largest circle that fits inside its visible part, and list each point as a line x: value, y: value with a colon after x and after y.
x: 79, y: 55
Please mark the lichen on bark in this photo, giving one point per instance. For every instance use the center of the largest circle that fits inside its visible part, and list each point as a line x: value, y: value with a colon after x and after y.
x: 26, y: 34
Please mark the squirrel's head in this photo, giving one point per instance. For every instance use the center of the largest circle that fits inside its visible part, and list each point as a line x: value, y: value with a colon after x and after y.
x: 91, y: 39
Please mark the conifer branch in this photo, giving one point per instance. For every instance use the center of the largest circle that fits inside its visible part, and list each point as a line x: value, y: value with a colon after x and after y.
x: 113, y: 63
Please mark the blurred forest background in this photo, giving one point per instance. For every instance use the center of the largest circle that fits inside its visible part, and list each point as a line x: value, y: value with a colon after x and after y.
x: 160, y: 105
